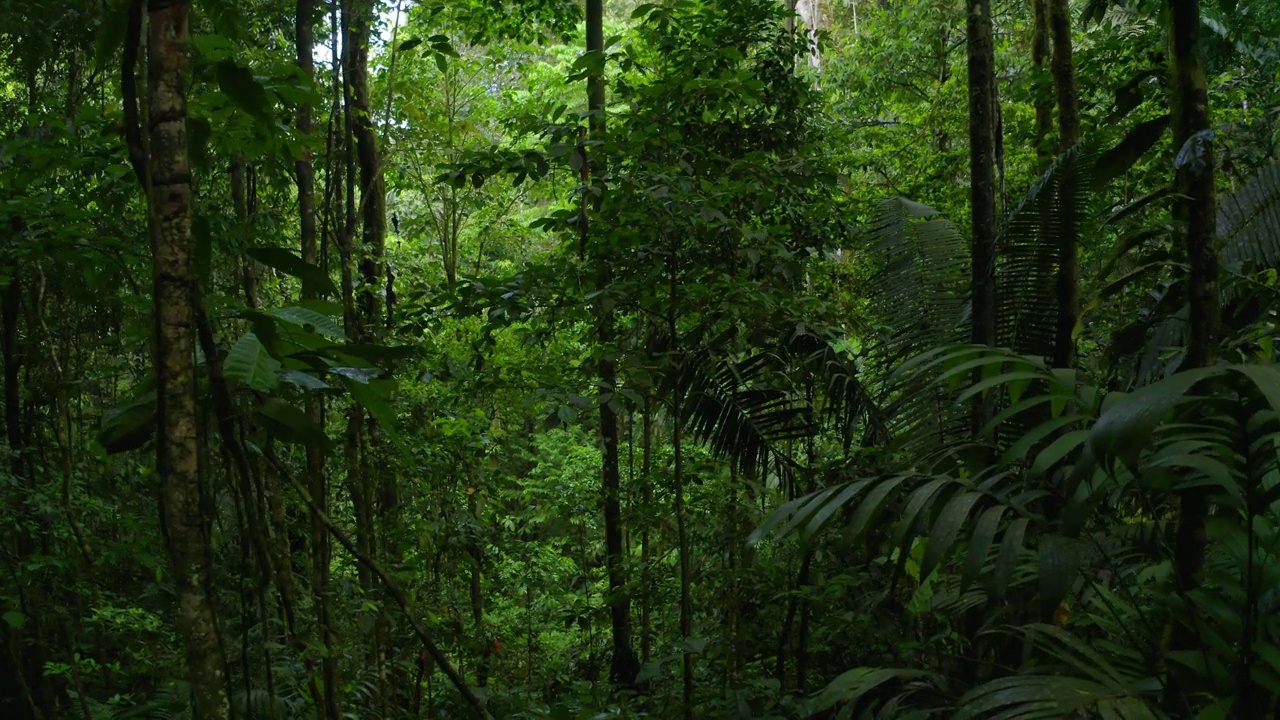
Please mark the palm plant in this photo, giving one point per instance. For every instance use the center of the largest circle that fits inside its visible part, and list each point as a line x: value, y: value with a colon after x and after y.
x: 1109, y: 465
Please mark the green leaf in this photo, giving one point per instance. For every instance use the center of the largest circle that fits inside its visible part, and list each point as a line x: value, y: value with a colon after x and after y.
x: 409, y: 44
x: 130, y: 426
x: 869, y: 509
x: 1125, y: 428
x: 305, y: 381
x: 1117, y: 161
x: 984, y: 532
x: 373, y: 397
x: 1059, y: 561
x: 1007, y: 560
x: 309, y: 320
x: 945, y: 529
x: 920, y: 498
x: 244, y: 90
x: 15, y: 619
x: 837, y: 502
x: 852, y: 685
x: 287, y: 422
x: 777, y: 516
x: 1020, y: 449
x: 249, y: 363
x: 1058, y: 449
x: 1008, y: 378
x: 282, y: 260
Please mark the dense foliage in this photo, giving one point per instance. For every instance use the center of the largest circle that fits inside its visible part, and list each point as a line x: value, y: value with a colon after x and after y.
x: 528, y: 358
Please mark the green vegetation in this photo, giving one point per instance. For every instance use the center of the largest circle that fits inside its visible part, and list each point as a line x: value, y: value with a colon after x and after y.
x: 691, y: 359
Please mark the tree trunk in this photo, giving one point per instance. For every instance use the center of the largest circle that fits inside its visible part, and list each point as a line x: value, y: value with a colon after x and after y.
x: 373, y: 192
x: 982, y: 198
x: 1043, y: 98
x: 682, y: 524
x: 321, y: 549
x: 1068, y: 280
x: 623, y: 667
x: 177, y: 444
x: 1194, y: 210
x: 646, y: 549
x: 982, y: 170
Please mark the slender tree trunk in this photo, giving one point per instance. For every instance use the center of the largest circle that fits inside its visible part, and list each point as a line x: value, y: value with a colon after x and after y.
x: 321, y: 549
x: 982, y: 170
x: 682, y: 529
x: 1043, y: 97
x: 28, y: 662
x: 178, y: 442
x: 982, y: 198
x: 1064, y: 74
x: 476, y: 551
x: 646, y: 550
x: 1068, y: 280
x: 624, y: 667
x: 1194, y: 211
x: 363, y: 305
x: 373, y: 192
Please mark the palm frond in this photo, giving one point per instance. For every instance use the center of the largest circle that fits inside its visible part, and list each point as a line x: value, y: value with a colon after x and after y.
x: 1248, y: 223
x: 846, y: 399
x: 919, y: 295
x: 1248, y: 229
x: 1027, y: 249
x: 743, y: 410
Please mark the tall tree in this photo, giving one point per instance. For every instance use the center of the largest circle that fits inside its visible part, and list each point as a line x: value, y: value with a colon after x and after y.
x: 304, y: 38
x: 178, y: 445
x: 982, y: 188
x: 1068, y: 280
x: 624, y: 665
x: 1039, y: 61
x: 1194, y: 210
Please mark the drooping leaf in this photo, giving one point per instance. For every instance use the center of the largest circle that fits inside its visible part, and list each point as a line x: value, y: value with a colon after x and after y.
x: 1123, y: 430
x: 945, y: 529
x: 309, y: 320
x: 244, y: 90
x: 249, y: 363
x: 287, y: 262
x: 984, y: 532
x: 287, y: 422
x: 130, y: 426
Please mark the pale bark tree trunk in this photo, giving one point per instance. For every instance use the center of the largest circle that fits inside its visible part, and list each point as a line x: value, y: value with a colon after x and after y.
x: 810, y: 12
x: 373, y: 191
x: 375, y: 503
x: 178, y: 441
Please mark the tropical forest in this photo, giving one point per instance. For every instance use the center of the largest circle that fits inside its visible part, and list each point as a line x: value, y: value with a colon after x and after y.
x: 680, y: 359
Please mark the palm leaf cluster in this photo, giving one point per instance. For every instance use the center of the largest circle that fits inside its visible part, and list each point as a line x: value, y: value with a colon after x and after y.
x: 919, y: 293
x: 1248, y: 228
x: 1023, y: 519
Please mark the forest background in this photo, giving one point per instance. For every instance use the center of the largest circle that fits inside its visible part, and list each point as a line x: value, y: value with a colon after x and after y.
x: 702, y: 358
